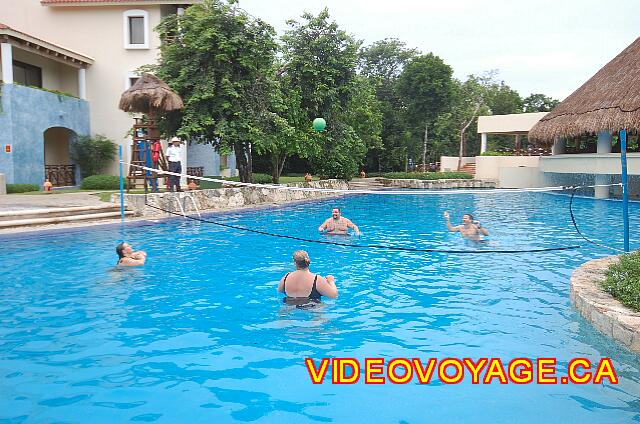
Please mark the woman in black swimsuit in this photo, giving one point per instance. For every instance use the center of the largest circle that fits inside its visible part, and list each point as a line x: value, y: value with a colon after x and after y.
x: 302, y: 286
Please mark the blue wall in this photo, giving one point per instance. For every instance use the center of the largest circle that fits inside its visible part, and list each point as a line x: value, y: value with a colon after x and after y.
x: 203, y: 155
x: 26, y: 114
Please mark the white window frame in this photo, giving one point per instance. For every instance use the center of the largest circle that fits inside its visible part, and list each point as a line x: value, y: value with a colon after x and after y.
x: 125, y: 29
x: 127, y: 79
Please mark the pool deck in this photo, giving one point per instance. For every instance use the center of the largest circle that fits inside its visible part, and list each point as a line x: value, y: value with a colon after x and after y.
x: 19, y: 202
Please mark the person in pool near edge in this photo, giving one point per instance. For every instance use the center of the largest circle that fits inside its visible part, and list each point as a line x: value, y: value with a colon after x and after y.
x: 302, y: 286
x: 127, y: 257
x: 470, y: 229
x: 338, y: 224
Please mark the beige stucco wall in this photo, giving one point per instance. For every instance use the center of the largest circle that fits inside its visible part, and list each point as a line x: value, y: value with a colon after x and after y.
x: 509, y: 124
x: 450, y: 163
x: 520, y: 177
x: 590, y: 163
x: 488, y: 167
x: 55, y: 75
x: 96, y: 32
x: 56, y: 146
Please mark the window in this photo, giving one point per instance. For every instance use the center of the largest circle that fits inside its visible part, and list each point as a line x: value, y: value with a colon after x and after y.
x: 136, y: 29
x: 130, y: 79
x: 26, y: 74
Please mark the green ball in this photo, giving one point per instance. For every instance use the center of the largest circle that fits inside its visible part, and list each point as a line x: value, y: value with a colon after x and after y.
x: 319, y: 124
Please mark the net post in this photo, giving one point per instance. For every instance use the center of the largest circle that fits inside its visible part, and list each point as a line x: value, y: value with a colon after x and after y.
x: 625, y: 188
x: 121, y: 185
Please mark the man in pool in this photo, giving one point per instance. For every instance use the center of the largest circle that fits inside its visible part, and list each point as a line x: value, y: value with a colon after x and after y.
x: 338, y: 224
x: 127, y: 257
x: 469, y: 228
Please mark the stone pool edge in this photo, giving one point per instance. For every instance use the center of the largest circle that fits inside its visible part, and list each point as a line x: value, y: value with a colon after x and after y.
x: 602, y: 310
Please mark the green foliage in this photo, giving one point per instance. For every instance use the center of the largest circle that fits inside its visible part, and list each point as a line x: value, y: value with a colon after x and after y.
x: 102, y: 182
x: 257, y: 179
x: 21, y: 188
x: 321, y: 68
x: 539, y: 103
x: 221, y: 64
x: 92, y: 153
x: 503, y: 100
x: 488, y: 153
x: 623, y: 280
x: 427, y: 87
x: 427, y: 175
x: 382, y: 63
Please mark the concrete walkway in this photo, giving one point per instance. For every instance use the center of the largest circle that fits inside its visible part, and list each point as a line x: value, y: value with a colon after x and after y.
x: 17, y: 202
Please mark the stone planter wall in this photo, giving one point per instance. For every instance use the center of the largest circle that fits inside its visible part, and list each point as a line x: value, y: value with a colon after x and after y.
x: 606, y: 314
x: 222, y: 198
x: 437, y: 184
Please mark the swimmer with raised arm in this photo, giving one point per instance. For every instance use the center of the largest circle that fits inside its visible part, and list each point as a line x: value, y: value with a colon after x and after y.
x: 302, y: 286
x: 338, y: 224
x: 473, y: 230
x: 127, y: 257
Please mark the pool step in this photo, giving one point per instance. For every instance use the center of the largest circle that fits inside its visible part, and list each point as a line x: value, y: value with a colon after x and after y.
x: 366, y: 184
x: 31, y: 217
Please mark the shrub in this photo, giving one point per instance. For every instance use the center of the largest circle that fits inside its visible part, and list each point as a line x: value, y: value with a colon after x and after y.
x: 92, y: 154
x: 256, y: 178
x: 22, y: 188
x: 623, y: 280
x: 427, y: 175
x: 496, y: 154
x: 210, y: 184
x: 102, y: 182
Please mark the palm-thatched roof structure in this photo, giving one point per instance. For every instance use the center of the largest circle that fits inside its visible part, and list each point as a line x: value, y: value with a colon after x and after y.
x: 610, y: 100
x: 150, y: 95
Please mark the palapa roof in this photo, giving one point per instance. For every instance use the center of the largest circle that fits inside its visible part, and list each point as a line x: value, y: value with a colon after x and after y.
x: 610, y: 100
x: 150, y: 94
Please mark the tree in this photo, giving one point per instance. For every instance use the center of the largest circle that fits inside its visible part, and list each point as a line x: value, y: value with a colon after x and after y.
x: 472, y: 99
x: 287, y: 133
x: 427, y: 88
x: 321, y: 66
x: 382, y: 63
x: 220, y: 62
x: 539, y: 103
x: 92, y: 154
x: 503, y: 100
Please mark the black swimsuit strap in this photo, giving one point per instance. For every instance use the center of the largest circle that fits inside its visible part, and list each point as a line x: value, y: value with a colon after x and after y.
x: 284, y: 283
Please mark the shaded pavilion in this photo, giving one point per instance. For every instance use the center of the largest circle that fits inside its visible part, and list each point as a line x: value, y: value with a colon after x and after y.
x: 609, y: 102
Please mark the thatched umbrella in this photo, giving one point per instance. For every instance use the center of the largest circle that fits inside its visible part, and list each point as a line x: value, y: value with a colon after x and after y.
x: 609, y: 101
x: 150, y: 95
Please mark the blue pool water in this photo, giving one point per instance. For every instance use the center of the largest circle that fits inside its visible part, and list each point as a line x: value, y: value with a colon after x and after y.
x: 200, y: 335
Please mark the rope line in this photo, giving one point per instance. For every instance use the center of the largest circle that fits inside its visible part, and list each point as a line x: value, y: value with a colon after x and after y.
x: 376, y: 192
x: 575, y: 224
x: 386, y: 247
x: 364, y: 246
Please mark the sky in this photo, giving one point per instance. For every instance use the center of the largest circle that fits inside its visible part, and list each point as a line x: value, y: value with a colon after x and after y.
x: 538, y: 46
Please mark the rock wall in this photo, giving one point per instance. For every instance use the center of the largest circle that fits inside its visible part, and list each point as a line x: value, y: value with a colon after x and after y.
x: 222, y: 198
x: 609, y: 316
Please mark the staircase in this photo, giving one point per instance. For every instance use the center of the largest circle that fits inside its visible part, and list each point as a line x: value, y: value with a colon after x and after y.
x: 469, y: 168
x: 366, y: 184
x: 49, y: 216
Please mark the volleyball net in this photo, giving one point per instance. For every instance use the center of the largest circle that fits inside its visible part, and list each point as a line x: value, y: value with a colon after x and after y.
x: 411, y: 220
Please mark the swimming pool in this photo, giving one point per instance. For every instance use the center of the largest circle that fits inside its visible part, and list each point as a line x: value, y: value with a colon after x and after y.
x: 200, y: 334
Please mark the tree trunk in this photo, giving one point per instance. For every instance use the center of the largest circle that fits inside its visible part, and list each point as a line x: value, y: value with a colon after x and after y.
x: 462, y: 131
x: 276, y: 167
x: 275, y: 175
x: 242, y: 151
x: 424, y: 148
x: 461, y: 151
